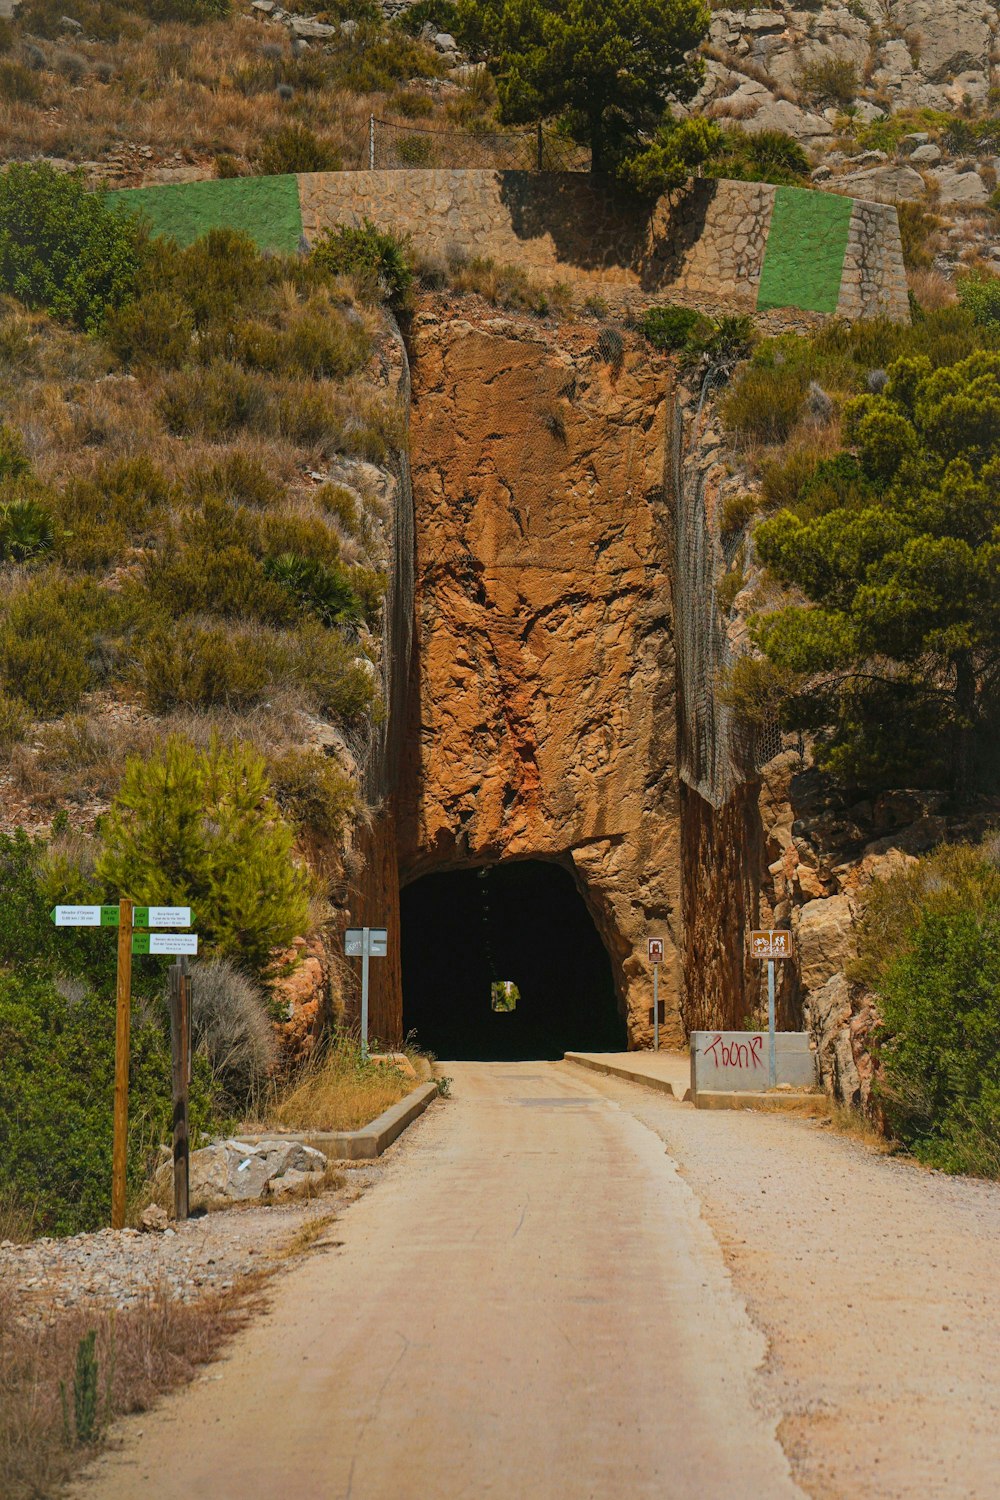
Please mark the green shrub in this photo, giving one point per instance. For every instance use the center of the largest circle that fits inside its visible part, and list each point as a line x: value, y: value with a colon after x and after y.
x: 221, y: 278
x: 671, y: 328
x: 979, y: 296
x: 214, y: 403
x: 319, y: 341
x: 13, y: 723
x: 410, y: 103
x: 57, y: 1093
x: 312, y: 791
x: 205, y: 666
x: 62, y: 248
x: 442, y: 14
x: 14, y: 462
x: 202, y: 829
x: 832, y: 81
x: 296, y: 148
x: 228, y: 581
x: 329, y: 671
x: 375, y: 257
x: 237, y: 478
x: 763, y: 156
x: 156, y: 329
x: 25, y: 530
x: 375, y: 58
x: 318, y: 588
x: 930, y: 947
x: 19, y: 84
x: 765, y: 404
x: 46, y: 639
x: 737, y: 512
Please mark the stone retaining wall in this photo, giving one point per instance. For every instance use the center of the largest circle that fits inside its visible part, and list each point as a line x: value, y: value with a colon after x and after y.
x: 719, y: 246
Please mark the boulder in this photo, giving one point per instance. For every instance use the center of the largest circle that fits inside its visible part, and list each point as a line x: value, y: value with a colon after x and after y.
x: 779, y: 114
x: 928, y: 155
x: 883, y: 184
x: 445, y: 42
x: 318, y: 30
x: 824, y: 939
x: 234, y: 1171
x: 961, y: 187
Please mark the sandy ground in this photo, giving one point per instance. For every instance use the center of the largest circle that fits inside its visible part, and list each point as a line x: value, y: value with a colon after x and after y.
x: 568, y: 1286
x: 876, y: 1285
x: 528, y: 1305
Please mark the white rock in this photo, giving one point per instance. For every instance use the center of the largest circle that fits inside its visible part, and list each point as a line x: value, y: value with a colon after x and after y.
x: 317, y: 29
x: 961, y: 187
x: 929, y: 154
x: 883, y: 184
x: 445, y: 42
x: 779, y: 114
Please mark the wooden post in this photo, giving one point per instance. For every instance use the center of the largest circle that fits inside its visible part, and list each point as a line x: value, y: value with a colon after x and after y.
x: 540, y: 147
x: 180, y: 1056
x: 123, y: 1020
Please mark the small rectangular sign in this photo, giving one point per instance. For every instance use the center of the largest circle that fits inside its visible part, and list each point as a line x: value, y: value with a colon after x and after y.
x: 771, y: 944
x: 164, y: 942
x: 85, y: 916
x: 378, y: 942
x: 656, y: 950
x: 161, y: 916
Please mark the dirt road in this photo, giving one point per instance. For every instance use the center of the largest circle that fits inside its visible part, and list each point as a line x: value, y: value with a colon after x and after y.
x: 566, y: 1286
x: 528, y: 1306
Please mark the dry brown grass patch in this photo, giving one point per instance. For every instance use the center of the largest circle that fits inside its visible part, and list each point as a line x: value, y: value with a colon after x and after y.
x: 141, y: 1352
x: 336, y: 1090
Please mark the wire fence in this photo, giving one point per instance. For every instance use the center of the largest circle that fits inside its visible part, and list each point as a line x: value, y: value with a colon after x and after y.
x: 389, y: 145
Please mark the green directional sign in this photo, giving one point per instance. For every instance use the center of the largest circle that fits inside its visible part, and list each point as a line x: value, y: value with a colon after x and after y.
x: 85, y: 916
x: 165, y: 942
x: 161, y: 916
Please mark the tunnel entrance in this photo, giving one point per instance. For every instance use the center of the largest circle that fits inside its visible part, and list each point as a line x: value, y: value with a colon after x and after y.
x: 524, y: 924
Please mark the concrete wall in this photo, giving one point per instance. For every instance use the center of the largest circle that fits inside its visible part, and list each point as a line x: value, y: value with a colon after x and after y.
x: 737, y: 1061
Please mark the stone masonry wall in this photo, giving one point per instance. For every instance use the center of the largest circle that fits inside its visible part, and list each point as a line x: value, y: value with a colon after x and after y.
x: 706, y: 247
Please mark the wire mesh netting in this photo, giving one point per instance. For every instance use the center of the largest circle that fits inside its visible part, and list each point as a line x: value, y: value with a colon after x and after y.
x: 718, y: 751
x: 389, y: 145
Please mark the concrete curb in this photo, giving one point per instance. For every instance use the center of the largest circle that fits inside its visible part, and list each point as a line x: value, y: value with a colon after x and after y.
x: 364, y: 1144
x: 812, y: 1103
x: 616, y: 1070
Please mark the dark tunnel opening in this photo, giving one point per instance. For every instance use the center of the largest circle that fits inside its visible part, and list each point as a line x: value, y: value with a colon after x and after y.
x: 504, y: 963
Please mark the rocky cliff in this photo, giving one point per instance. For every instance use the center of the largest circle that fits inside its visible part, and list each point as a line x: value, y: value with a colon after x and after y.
x: 543, y: 717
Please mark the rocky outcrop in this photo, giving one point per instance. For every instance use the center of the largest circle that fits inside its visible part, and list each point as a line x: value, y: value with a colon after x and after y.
x: 232, y: 1171
x: 544, y: 703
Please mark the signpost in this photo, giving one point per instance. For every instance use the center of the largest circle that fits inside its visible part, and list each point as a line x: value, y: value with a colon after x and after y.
x: 771, y: 945
x: 180, y: 1059
x: 656, y: 959
x: 365, y: 943
x: 126, y: 917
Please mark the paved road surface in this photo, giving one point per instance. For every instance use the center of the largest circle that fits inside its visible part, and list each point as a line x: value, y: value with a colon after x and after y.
x: 527, y: 1306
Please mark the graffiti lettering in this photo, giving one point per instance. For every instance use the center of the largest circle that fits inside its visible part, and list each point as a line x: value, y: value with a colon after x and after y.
x: 746, y: 1054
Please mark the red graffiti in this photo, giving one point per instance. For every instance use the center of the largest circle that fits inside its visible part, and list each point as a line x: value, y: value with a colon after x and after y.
x: 736, y: 1054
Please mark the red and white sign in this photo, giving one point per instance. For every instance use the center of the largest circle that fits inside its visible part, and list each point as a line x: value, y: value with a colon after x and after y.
x: 656, y: 950
x: 771, y: 944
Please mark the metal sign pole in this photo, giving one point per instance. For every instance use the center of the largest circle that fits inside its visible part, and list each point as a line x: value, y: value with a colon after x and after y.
x: 365, y: 953
x: 656, y: 1007
x: 772, y: 1066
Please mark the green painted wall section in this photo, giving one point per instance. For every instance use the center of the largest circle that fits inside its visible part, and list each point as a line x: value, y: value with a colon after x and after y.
x: 266, y: 208
x: 804, y: 256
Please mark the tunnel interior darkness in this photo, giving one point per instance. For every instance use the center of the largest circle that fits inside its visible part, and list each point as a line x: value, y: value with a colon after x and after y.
x: 522, y: 921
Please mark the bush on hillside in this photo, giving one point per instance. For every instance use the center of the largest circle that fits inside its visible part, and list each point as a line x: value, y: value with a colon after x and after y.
x: 670, y: 328
x: 312, y: 791
x: 442, y: 14
x: 296, y: 148
x: 930, y: 946
x: 57, y: 1093
x: 205, y: 666
x: 376, y: 258
x: 202, y: 829
x: 62, y: 248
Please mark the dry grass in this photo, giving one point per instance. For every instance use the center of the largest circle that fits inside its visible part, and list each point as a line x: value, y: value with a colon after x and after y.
x: 932, y: 289
x: 851, y: 1122
x: 190, y: 93
x: 336, y: 1090
x: 141, y: 1352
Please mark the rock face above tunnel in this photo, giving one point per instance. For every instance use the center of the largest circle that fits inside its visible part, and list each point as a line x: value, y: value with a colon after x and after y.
x: 543, y: 705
